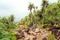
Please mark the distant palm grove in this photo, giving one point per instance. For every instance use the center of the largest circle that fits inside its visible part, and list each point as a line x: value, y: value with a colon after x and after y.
x: 48, y: 17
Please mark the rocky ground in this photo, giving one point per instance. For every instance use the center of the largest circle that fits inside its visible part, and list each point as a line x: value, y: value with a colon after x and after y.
x: 34, y: 33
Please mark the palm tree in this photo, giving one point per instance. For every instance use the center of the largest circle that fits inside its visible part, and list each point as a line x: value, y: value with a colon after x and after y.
x: 44, y: 5
x: 30, y: 7
x: 35, y: 7
x: 11, y: 18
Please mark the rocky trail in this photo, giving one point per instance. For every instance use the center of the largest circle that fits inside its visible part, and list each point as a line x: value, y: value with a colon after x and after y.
x: 34, y: 33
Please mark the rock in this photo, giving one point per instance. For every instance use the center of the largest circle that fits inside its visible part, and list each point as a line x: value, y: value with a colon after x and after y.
x: 32, y: 33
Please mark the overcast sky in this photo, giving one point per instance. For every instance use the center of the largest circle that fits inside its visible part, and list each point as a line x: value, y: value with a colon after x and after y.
x: 17, y: 7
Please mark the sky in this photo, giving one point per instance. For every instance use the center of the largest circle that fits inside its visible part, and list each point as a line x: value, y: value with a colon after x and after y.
x: 19, y: 8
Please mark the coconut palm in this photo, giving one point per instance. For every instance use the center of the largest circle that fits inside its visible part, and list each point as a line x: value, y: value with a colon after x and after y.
x: 44, y: 5
x: 11, y: 18
x: 35, y: 7
x: 30, y: 7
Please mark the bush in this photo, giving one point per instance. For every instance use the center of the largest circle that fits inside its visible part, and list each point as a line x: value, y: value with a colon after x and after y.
x: 51, y: 37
